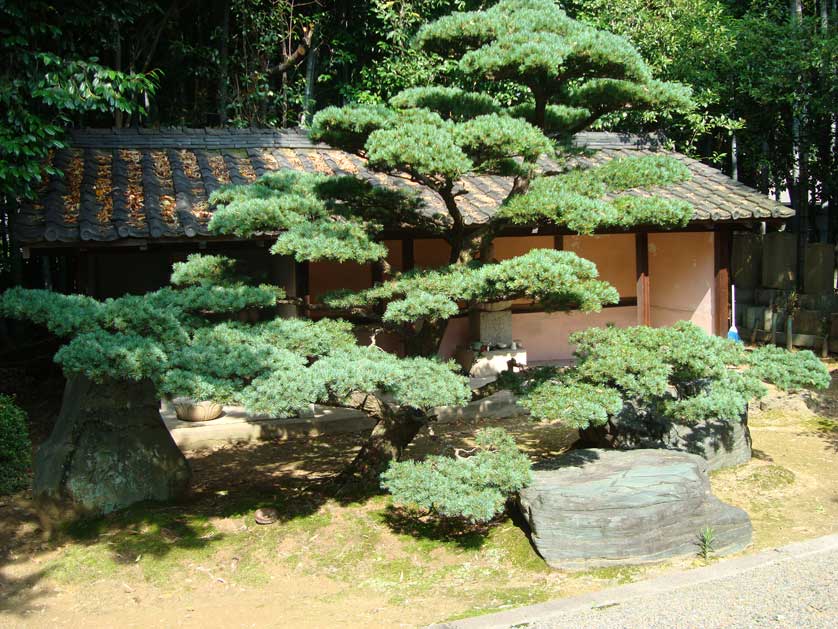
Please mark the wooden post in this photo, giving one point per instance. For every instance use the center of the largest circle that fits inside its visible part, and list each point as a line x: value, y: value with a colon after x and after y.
x: 558, y: 243
x: 721, y: 303
x: 302, y: 274
x: 644, y: 305
x: 408, y: 260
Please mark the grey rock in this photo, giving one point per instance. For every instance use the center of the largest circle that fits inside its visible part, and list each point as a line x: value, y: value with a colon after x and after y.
x: 109, y: 449
x: 594, y: 508
x: 722, y: 443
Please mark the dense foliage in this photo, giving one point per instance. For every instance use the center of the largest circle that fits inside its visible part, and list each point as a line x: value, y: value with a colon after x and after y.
x: 682, y: 372
x: 778, y: 106
x: 567, y: 76
x: 15, y: 447
x: 473, y: 484
x: 559, y: 75
x: 181, y: 339
x: 45, y: 84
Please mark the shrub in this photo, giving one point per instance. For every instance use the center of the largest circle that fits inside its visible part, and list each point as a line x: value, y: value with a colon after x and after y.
x: 15, y: 447
x: 680, y: 371
x: 473, y: 487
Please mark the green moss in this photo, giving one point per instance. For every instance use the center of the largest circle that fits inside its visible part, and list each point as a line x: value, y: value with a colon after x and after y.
x: 488, y: 601
x: 83, y: 564
x: 618, y: 574
x: 825, y: 425
x: 770, y: 477
x: 516, y: 548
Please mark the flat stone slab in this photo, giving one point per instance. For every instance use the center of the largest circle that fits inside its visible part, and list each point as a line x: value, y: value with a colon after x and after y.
x: 596, y: 508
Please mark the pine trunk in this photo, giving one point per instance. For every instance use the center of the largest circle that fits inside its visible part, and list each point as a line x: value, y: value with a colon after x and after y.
x: 386, y: 443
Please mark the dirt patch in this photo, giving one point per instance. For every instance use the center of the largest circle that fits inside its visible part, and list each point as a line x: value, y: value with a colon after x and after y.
x: 353, y: 560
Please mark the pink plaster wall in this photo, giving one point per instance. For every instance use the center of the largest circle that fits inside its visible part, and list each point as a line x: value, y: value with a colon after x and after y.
x: 543, y: 334
x: 327, y: 276
x: 430, y: 252
x: 510, y: 246
x: 681, y: 277
x: 614, y: 256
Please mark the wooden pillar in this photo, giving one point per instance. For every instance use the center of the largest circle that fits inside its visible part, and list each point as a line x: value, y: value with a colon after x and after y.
x: 558, y: 243
x: 721, y: 297
x: 644, y: 304
x: 301, y: 271
x: 408, y: 261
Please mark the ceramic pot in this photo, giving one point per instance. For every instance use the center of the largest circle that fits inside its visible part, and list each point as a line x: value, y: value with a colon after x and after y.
x: 190, y: 410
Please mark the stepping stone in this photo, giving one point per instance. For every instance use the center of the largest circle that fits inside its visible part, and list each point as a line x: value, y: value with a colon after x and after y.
x: 595, y: 508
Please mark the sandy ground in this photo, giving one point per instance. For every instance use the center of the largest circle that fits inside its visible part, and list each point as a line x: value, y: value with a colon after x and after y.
x: 339, y: 562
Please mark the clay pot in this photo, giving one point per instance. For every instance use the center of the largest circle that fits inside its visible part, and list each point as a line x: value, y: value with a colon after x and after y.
x: 189, y: 410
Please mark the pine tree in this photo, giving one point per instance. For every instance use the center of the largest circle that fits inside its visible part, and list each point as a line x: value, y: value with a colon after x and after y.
x: 566, y: 76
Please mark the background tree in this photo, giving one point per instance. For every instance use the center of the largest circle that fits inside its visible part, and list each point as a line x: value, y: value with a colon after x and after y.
x: 748, y: 101
x: 43, y: 86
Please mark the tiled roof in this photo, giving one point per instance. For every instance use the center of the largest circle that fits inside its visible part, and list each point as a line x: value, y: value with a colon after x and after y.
x: 144, y: 183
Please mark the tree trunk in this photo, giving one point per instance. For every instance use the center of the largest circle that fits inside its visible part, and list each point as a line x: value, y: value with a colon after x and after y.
x: 426, y: 340
x: 387, y: 442
x: 223, y: 70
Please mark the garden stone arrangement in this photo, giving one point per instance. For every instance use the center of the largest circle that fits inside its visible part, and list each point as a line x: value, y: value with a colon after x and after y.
x: 721, y: 442
x: 594, y: 508
x: 109, y: 449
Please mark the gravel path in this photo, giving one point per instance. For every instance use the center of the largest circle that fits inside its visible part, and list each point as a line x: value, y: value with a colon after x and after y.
x: 795, y: 586
x: 801, y: 592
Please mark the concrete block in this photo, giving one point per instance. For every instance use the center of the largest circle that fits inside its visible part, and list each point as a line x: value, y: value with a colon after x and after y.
x: 492, y: 327
x: 819, y: 269
x: 746, y: 260
x: 779, y: 260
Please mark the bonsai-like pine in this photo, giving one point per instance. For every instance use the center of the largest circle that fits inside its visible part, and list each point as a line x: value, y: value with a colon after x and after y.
x: 679, y: 372
x: 473, y: 484
x: 566, y: 76
x: 187, y: 341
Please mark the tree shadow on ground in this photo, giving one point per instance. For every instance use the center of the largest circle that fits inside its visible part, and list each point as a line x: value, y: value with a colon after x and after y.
x: 827, y: 429
x: 464, y: 534
x: 229, y: 484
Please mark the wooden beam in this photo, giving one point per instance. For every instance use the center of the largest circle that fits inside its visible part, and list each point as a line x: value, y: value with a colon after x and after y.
x: 721, y: 301
x: 644, y: 304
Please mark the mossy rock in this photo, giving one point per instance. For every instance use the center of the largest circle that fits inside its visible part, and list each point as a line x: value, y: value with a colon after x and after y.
x: 605, y: 508
x: 109, y: 449
x: 720, y: 442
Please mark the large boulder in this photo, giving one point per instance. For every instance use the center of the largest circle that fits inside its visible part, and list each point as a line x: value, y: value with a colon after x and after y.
x: 722, y: 443
x: 109, y: 449
x: 594, y: 508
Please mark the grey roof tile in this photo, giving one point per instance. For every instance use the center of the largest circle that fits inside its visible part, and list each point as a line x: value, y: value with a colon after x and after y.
x: 239, y: 154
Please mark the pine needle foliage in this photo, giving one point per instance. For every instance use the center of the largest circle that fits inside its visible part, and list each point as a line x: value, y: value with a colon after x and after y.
x: 681, y: 372
x: 566, y: 76
x: 188, y: 342
x: 472, y: 485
